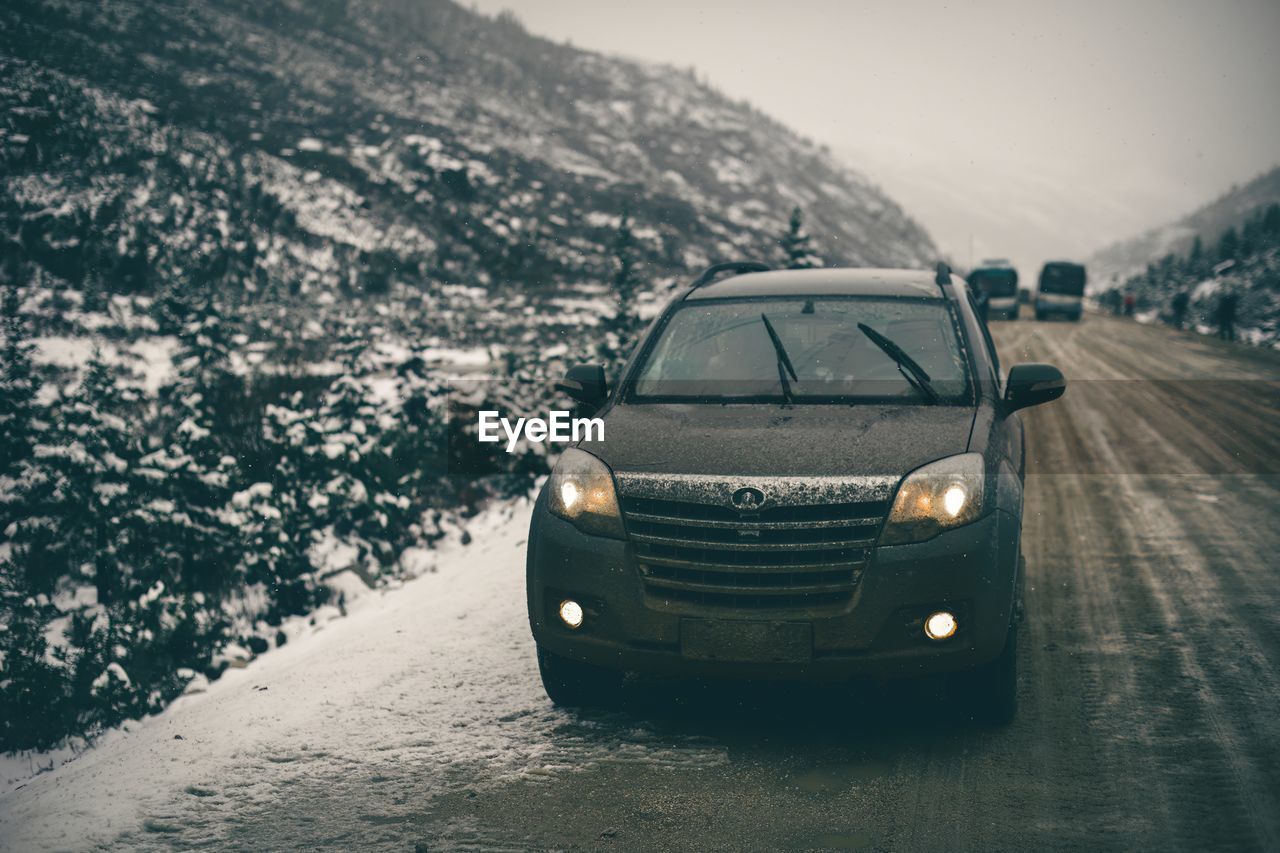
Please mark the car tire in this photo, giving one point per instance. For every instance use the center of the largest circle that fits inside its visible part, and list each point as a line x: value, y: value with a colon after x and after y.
x: 1013, y: 315
x: 571, y: 684
x: 989, y: 694
x: 1040, y: 316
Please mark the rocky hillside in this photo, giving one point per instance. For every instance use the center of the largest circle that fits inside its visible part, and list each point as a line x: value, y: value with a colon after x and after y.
x: 261, y: 262
x: 297, y: 146
x: 1233, y: 209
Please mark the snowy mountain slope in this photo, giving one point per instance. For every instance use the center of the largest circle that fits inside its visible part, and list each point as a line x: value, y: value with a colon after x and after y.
x: 1230, y: 210
x: 288, y: 229
x: 298, y: 145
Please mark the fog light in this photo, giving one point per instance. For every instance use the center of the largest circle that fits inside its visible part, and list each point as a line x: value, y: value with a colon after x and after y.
x: 571, y: 614
x: 938, y: 626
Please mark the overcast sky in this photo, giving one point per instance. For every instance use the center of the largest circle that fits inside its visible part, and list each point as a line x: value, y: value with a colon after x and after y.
x: 1030, y: 128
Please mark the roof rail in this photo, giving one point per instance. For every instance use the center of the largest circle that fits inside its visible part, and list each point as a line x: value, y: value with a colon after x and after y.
x: 734, y: 267
x: 944, y: 274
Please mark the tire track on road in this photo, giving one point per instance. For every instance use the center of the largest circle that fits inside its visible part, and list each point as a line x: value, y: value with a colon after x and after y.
x: 1195, y: 613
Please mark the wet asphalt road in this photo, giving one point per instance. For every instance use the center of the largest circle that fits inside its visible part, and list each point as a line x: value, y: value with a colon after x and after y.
x: 1150, y: 655
x: 1150, y: 662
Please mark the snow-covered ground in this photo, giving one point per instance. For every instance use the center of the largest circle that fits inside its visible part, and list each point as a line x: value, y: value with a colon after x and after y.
x: 359, y: 692
x: 435, y: 681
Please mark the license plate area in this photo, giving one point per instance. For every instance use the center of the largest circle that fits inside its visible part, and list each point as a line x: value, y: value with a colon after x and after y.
x: 746, y: 641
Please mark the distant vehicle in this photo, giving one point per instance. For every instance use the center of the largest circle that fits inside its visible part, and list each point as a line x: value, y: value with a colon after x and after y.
x: 1024, y: 296
x: 804, y: 475
x: 998, y: 281
x: 1061, y: 290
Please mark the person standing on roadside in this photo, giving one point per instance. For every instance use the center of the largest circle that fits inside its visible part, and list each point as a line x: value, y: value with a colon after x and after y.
x: 1226, y: 314
x: 1130, y: 302
x: 1181, y: 300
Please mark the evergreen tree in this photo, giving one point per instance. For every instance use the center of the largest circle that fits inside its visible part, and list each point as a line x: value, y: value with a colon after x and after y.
x: 33, y: 695
x: 797, y: 245
x: 1251, y: 236
x: 70, y: 498
x: 96, y: 463
x: 1228, y: 245
x: 33, y: 690
x: 28, y: 486
x: 93, y: 294
x: 337, y: 481
x: 64, y: 501
x: 190, y: 479
x: 625, y: 280
x: 1271, y: 220
x: 19, y: 384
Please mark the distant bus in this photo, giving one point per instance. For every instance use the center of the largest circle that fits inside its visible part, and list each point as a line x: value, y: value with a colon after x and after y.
x: 1061, y: 290
x: 998, y: 280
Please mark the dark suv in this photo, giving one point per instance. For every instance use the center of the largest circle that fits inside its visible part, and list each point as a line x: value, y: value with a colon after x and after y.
x: 804, y: 474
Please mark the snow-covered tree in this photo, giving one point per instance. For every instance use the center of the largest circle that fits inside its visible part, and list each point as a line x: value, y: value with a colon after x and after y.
x: 28, y: 486
x: 18, y: 383
x: 96, y: 459
x: 626, y: 282
x: 797, y: 245
x: 33, y: 688
x: 188, y: 481
x: 93, y: 294
x: 73, y: 490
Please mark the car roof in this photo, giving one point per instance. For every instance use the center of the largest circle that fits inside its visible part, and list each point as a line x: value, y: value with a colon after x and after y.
x: 823, y: 282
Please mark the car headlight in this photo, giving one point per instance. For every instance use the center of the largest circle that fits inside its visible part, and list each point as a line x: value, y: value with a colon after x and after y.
x: 934, y: 498
x: 582, y: 494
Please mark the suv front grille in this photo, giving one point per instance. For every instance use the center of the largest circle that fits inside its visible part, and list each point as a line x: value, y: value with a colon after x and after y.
x: 779, y: 557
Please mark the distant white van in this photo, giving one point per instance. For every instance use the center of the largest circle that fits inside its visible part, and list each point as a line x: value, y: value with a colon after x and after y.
x: 1061, y: 291
x: 998, y: 281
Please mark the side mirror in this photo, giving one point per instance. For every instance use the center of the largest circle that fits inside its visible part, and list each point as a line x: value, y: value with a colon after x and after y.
x: 586, y: 383
x: 1031, y: 385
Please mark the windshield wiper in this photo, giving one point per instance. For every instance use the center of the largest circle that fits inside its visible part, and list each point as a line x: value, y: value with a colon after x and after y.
x: 784, y: 361
x: 907, y: 366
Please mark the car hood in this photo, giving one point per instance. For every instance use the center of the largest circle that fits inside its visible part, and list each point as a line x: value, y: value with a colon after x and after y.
x: 771, y: 441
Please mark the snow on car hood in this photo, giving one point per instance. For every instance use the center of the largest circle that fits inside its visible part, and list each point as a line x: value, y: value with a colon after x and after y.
x: 769, y: 441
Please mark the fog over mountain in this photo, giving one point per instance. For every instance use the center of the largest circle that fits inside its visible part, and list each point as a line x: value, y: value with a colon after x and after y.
x: 1207, y: 222
x: 1041, y: 130
x: 993, y: 206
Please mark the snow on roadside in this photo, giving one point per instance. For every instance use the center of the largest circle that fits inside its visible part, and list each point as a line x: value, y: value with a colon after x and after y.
x: 327, y: 692
x: 19, y: 768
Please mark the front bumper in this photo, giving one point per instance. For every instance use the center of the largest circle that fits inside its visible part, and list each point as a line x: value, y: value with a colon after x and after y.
x: 1002, y: 307
x: 971, y: 571
x: 1072, y: 308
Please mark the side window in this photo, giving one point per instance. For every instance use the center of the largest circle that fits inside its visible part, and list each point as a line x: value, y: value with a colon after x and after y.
x: 991, y: 345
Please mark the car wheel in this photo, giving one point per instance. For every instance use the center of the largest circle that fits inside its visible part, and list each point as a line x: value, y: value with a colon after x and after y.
x: 1014, y: 314
x: 571, y: 684
x: 989, y: 694
x: 1039, y: 316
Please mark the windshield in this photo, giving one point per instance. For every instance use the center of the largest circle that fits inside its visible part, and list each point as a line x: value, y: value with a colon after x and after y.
x: 1067, y: 279
x: 806, y: 350
x: 994, y: 282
